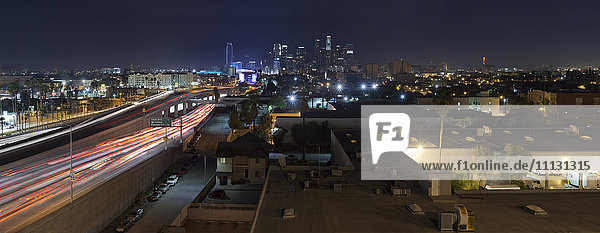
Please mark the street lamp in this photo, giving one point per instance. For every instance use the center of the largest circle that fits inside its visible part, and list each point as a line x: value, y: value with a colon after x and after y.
x: 363, y: 86
x: 339, y: 87
x: 374, y: 86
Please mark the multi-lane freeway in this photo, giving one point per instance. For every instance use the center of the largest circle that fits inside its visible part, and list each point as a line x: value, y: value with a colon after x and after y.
x: 11, y: 153
x: 28, y: 190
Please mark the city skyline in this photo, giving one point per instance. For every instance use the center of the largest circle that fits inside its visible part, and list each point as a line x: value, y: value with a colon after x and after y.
x: 108, y: 33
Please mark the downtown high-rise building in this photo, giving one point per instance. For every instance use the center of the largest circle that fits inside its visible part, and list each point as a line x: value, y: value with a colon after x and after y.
x: 323, y: 57
x: 300, y: 64
x: 228, y: 54
x: 316, y: 59
x: 276, y: 58
x: 285, y: 60
x: 329, y: 54
x: 348, y: 53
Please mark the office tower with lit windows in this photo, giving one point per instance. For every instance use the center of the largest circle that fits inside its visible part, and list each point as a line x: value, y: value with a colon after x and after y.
x: 316, y: 59
x: 348, y: 53
x: 329, y: 55
x: 276, y: 58
x: 300, y: 59
x: 284, y: 59
x: 228, y: 54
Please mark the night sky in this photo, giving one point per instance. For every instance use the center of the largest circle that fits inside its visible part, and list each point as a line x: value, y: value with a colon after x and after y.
x: 193, y: 33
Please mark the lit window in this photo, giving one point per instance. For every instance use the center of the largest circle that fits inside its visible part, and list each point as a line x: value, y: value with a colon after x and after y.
x: 222, y: 160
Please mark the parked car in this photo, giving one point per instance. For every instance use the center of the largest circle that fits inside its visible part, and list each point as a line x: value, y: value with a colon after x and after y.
x: 155, y: 196
x: 217, y: 193
x: 172, y: 180
x: 123, y: 225
x: 135, y: 215
x: 163, y: 188
x: 181, y: 172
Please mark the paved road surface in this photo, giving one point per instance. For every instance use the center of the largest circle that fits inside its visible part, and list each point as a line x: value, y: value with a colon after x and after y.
x: 31, y: 190
x: 165, y: 210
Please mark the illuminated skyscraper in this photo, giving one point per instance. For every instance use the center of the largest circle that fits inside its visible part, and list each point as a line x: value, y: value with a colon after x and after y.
x: 329, y: 54
x: 348, y: 53
x: 316, y: 61
x: 301, y: 58
x: 276, y: 58
x: 228, y: 54
x: 284, y: 59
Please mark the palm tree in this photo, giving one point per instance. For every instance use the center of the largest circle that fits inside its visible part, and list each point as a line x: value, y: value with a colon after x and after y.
x: 44, y: 90
x: 442, y: 99
x: 14, y: 88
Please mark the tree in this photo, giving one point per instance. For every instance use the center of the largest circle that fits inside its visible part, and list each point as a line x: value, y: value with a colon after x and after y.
x: 515, y: 150
x: 278, y: 135
x: 263, y: 130
x: 298, y: 134
x: 95, y: 85
x: 311, y: 134
x: 249, y: 110
x: 271, y: 88
x: 14, y: 88
x: 303, y: 106
x: 444, y: 97
x: 277, y: 102
x: 234, y: 120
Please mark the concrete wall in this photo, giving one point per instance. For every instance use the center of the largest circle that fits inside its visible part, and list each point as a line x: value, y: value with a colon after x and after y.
x: 257, y: 170
x: 93, y: 211
x: 333, y: 123
x: 225, y: 167
x: 338, y: 154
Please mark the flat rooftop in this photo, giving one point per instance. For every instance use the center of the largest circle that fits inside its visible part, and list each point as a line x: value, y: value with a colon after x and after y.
x: 358, y: 209
x: 536, y: 139
x: 237, y: 194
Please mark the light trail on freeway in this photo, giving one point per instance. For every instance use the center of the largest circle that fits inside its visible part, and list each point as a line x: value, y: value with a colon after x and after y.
x: 45, y: 181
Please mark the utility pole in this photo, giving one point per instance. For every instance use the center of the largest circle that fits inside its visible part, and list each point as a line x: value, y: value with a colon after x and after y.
x: 166, y: 138
x: 181, y: 131
x: 71, y: 176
